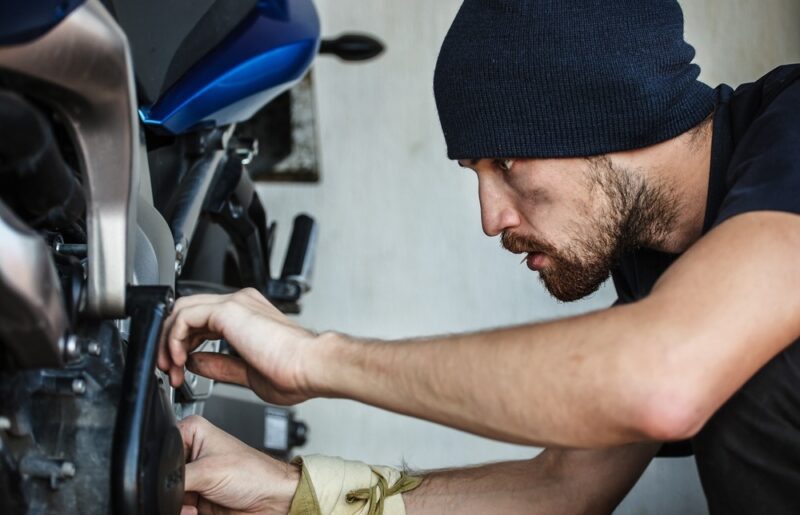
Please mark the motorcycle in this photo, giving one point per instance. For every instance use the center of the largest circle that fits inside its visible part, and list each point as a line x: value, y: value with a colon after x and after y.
x: 129, y: 130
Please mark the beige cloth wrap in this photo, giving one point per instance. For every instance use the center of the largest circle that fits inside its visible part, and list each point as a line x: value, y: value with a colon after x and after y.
x: 333, y: 486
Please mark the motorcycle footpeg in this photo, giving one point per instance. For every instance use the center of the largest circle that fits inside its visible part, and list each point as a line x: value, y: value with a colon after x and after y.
x: 299, y: 262
x: 295, y: 279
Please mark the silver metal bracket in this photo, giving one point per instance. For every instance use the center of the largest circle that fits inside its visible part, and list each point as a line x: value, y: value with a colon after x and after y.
x: 82, y: 68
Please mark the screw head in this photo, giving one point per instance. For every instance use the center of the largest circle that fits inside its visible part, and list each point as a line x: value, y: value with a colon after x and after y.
x: 78, y: 386
x: 70, y: 348
x: 68, y: 469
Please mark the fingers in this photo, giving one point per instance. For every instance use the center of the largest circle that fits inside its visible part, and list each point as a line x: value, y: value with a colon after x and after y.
x: 198, y: 318
x: 191, y: 429
x: 190, y: 499
x: 191, y: 327
x: 219, y: 367
x: 163, y: 359
x: 202, y: 438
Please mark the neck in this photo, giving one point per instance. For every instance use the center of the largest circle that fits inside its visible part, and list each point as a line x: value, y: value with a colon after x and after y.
x: 681, y: 166
x: 690, y: 175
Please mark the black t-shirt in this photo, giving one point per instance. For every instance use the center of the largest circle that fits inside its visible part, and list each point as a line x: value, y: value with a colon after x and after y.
x: 755, y: 166
x: 748, y: 455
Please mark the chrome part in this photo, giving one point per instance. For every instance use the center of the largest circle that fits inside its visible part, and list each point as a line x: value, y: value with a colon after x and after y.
x: 180, y: 255
x: 83, y: 69
x: 78, y: 386
x: 78, y: 250
x: 183, y: 410
x: 197, y: 387
x: 93, y: 348
x: 71, y: 348
x: 33, y: 319
x: 246, y: 150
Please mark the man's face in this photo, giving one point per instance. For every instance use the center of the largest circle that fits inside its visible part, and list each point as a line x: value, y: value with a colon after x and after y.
x: 572, y: 218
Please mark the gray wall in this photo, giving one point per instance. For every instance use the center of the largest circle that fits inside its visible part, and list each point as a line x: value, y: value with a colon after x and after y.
x: 401, y: 252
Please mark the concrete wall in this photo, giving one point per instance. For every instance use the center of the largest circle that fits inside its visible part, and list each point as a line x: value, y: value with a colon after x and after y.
x: 401, y: 251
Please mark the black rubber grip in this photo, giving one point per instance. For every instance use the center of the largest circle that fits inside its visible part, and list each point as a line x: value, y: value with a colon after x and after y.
x: 298, y: 255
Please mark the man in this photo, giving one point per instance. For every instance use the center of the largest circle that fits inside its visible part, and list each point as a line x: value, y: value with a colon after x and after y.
x: 597, y: 152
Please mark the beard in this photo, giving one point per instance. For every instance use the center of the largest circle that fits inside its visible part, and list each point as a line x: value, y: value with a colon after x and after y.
x: 635, y: 213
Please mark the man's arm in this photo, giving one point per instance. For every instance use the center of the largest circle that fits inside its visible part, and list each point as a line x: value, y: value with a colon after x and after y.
x: 556, y: 481
x: 223, y: 474
x: 656, y: 369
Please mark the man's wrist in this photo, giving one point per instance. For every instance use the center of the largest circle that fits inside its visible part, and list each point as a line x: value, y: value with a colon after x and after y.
x: 281, y: 494
x: 327, y: 357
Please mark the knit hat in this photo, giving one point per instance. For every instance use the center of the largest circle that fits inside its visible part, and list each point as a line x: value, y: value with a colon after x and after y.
x: 566, y: 78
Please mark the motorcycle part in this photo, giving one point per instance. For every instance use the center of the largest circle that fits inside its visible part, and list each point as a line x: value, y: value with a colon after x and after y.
x: 269, y: 52
x: 154, y: 258
x: 33, y: 318
x: 168, y: 38
x: 82, y: 68
x: 286, y: 132
x: 185, y: 209
x: 352, y: 47
x: 299, y: 263
x: 22, y: 21
x: 29, y: 158
x: 148, y: 461
x: 55, y: 444
x: 234, y: 205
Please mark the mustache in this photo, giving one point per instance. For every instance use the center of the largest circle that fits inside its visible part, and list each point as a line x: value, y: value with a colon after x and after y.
x: 521, y: 244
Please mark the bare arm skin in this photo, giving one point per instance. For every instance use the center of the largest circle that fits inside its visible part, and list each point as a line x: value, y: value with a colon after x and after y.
x: 568, y: 481
x: 653, y: 370
x: 224, y: 475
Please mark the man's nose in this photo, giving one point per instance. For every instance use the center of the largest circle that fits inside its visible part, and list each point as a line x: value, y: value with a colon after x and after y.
x: 497, y: 211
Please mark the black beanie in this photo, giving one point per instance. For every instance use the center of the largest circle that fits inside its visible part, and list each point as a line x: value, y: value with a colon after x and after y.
x: 566, y: 78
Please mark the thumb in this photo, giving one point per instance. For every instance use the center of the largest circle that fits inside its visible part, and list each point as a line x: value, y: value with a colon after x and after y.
x: 219, y: 367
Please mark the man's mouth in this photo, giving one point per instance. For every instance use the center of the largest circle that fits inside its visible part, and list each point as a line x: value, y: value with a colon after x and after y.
x: 536, y: 260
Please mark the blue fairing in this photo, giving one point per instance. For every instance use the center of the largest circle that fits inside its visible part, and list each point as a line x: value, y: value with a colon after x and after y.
x: 271, y: 51
x: 23, y: 20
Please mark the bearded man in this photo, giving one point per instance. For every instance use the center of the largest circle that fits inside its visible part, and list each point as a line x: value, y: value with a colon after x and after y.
x: 598, y: 152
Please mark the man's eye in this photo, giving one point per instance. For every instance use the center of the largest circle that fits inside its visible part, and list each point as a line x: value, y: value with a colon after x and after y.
x: 504, y: 165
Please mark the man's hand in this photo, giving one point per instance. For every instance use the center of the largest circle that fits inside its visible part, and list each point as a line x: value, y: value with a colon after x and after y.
x: 272, y: 346
x: 225, y: 475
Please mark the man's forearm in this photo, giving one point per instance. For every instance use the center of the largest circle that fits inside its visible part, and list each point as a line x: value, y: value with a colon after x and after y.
x: 656, y: 369
x: 556, y: 481
x: 548, y: 384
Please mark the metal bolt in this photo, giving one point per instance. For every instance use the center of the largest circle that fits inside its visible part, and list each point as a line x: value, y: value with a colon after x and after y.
x: 67, y: 469
x: 79, y: 250
x: 5, y: 424
x: 93, y: 348
x: 170, y: 301
x: 78, y: 386
x: 180, y: 255
x: 70, y: 347
x: 236, y: 209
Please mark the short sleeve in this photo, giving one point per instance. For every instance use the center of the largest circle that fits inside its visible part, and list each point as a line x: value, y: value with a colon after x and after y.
x: 764, y: 172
